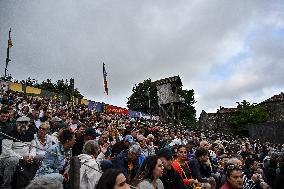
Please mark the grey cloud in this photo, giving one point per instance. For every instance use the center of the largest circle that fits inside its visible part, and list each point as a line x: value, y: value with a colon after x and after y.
x: 136, y: 40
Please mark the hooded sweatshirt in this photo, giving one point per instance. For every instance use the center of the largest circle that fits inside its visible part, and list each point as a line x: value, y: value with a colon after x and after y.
x: 88, y: 176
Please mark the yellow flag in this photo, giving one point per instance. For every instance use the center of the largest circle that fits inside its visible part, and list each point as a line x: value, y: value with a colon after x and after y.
x: 10, y: 44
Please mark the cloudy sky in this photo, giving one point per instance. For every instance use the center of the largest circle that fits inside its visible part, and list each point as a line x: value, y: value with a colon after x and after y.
x: 225, y: 50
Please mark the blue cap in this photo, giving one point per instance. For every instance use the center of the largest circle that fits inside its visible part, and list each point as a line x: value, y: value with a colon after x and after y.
x: 129, y: 138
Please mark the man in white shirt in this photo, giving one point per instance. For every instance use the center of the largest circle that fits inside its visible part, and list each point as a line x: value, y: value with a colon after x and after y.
x: 13, y: 150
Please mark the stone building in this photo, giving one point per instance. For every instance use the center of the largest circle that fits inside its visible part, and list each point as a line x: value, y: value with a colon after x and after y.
x: 275, y: 107
x: 216, y: 120
x: 272, y: 130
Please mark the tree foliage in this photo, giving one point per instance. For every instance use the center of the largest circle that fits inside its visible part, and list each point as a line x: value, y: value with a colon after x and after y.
x: 139, y: 101
x: 247, y: 113
x: 188, y: 112
x: 60, y: 86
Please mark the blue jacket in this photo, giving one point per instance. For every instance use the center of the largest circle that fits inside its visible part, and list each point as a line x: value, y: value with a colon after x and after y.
x: 121, y: 163
x: 53, y: 162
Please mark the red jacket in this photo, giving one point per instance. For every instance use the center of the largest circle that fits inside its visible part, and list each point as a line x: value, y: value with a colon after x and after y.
x: 226, y: 186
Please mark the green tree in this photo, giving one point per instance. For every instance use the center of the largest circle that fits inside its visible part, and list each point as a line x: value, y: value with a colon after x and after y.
x: 48, y: 85
x: 139, y: 101
x: 247, y: 113
x: 60, y: 86
x: 188, y: 112
x: 8, y: 78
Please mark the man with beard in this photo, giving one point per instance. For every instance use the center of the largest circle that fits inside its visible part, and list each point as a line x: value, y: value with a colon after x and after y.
x: 15, y: 151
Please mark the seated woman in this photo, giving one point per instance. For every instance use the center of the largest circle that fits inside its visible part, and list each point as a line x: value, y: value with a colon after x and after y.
x: 55, y: 164
x: 112, y: 179
x: 151, y: 169
x: 181, y: 165
x: 42, y: 141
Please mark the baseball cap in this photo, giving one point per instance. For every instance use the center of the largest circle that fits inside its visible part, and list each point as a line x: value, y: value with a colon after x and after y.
x: 129, y: 138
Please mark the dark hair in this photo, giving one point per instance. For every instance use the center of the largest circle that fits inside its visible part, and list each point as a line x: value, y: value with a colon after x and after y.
x: 181, y: 146
x: 108, y: 179
x: 148, y: 167
x: 4, y: 111
x: 249, y: 161
x: 166, y: 153
x: 64, y: 135
x: 201, y: 152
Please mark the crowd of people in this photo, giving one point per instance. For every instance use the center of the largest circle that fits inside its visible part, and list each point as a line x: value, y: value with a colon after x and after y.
x: 48, y: 144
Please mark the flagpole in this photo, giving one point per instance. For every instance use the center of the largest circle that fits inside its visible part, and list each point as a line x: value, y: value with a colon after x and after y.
x: 105, y: 79
x: 8, y: 57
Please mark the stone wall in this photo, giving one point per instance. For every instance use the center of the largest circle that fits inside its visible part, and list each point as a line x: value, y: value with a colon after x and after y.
x: 275, y: 109
x: 214, y: 120
x: 207, y: 120
x: 272, y: 130
x: 269, y: 131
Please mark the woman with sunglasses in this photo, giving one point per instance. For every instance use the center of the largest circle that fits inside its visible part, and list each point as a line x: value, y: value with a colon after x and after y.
x: 181, y: 165
x: 42, y: 141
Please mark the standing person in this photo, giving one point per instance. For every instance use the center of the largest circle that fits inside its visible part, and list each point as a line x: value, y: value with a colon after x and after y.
x: 112, y: 179
x: 152, y: 170
x: 234, y: 177
x: 170, y: 178
x: 181, y: 165
x: 55, y: 164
